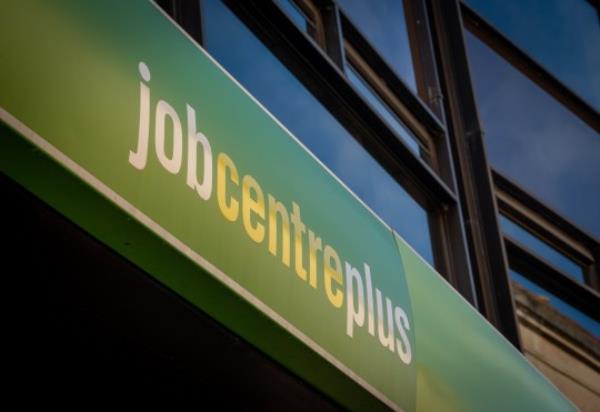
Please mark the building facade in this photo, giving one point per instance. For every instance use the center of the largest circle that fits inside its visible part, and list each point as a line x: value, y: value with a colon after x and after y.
x: 440, y: 120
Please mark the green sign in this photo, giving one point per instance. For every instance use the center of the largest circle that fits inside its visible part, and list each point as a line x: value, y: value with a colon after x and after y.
x: 117, y: 119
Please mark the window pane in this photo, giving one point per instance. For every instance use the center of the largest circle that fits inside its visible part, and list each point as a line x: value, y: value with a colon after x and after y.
x: 383, y: 109
x: 565, y: 309
x: 383, y: 23
x: 249, y: 61
x: 562, y: 35
x: 294, y: 12
x: 541, y: 248
x: 302, y: 16
x: 535, y: 140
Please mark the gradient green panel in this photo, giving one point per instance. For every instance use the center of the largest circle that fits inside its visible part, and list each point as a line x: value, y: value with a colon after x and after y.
x: 463, y: 363
x: 70, y: 74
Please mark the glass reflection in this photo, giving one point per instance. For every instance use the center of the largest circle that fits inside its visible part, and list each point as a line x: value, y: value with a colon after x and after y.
x: 563, y: 36
x: 541, y: 248
x: 579, y: 317
x: 383, y: 24
x: 384, y: 111
x: 293, y: 11
x: 535, y: 140
x: 253, y: 65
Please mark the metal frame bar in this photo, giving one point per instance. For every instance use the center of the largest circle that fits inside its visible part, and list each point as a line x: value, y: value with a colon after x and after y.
x: 550, y: 226
x: 313, y: 15
x: 448, y: 233
x: 333, y: 33
x: 488, y: 258
x: 381, y: 90
x: 395, y: 84
x: 552, y: 279
x: 423, y: 55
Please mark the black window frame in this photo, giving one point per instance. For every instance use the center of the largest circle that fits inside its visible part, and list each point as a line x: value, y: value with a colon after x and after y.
x: 527, y: 210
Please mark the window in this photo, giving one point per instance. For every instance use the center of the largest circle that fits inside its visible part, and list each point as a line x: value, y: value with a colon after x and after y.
x: 535, y: 140
x: 382, y: 108
x: 541, y: 248
x: 563, y: 36
x: 383, y: 24
x: 305, y: 15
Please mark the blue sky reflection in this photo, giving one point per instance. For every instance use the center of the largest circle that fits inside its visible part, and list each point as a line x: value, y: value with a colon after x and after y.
x: 383, y: 23
x: 562, y: 35
x: 544, y: 250
x: 535, y: 140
